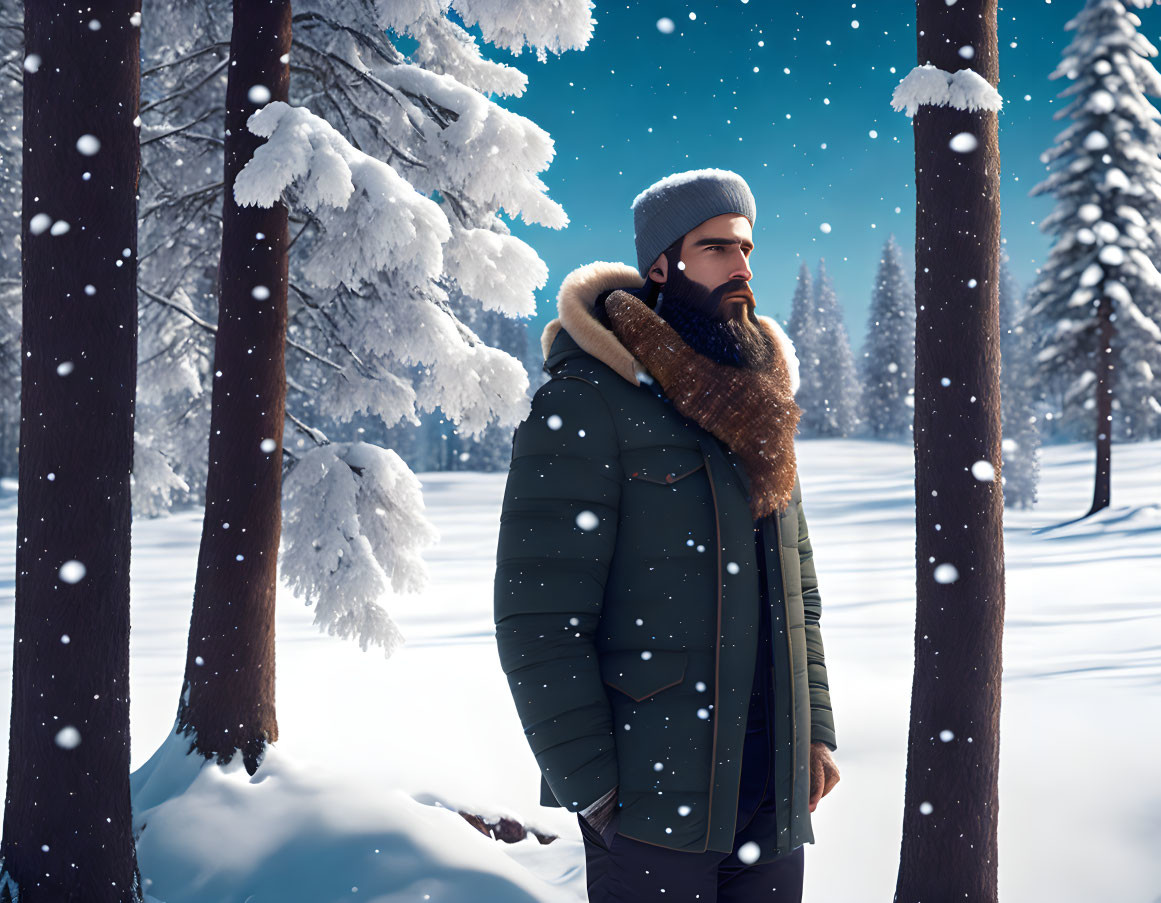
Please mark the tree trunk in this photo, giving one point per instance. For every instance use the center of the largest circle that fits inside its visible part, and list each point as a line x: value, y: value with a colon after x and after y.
x: 1106, y: 372
x: 948, y: 849
x: 68, y: 833
x: 228, y: 694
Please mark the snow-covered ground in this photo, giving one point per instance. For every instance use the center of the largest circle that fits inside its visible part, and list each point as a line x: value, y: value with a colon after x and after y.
x: 356, y: 800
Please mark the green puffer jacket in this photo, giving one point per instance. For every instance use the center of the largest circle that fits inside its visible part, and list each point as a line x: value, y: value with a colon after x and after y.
x: 626, y: 612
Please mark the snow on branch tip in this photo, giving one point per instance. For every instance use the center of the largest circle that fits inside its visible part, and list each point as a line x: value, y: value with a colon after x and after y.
x: 353, y: 531
x: 545, y: 26
x: 963, y: 89
x: 372, y: 218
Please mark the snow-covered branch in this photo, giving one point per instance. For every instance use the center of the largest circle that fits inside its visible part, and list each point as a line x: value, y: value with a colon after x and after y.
x: 371, y: 219
x: 353, y: 531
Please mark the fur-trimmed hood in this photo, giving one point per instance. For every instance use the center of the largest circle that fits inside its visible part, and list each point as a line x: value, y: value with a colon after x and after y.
x: 579, y: 292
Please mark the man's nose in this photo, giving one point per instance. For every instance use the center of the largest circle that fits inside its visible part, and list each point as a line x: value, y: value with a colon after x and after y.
x: 741, y: 268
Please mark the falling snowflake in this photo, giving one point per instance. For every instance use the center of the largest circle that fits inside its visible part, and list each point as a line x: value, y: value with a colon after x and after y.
x: 586, y: 520
x: 68, y: 737
x: 946, y: 573
x: 72, y: 571
x: 748, y: 852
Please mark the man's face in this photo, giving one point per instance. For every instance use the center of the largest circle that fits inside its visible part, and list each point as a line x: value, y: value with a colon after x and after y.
x: 706, y: 294
x: 715, y: 255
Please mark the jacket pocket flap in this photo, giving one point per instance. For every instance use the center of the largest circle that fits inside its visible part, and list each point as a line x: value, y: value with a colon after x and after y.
x: 662, y: 465
x: 640, y: 674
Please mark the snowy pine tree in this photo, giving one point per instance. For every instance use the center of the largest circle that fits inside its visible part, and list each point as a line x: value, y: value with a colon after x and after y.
x: 888, y: 362
x: 1020, y: 446
x: 402, y: 229
x: 803, y: 331
x: 830, y: 407
x: 393, y: 262
x: 1094, y: 309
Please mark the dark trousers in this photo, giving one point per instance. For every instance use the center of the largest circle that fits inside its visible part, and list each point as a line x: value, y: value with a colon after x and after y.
x: 628, y: 871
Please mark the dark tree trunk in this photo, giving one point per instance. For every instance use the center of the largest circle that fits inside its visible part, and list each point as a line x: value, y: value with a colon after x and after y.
x: 948, y: 849
x: 1101, y: 495
x: 228, y: 694
x: 68, y: 833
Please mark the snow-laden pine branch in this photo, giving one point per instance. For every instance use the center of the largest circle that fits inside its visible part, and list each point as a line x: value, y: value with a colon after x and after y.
x: 353, y: 531
x: 547, y: 25
x: 447, y: 49
x: 372, y: 219
x: 153, y: 481
x: 381, y: 242
x: 501, y: 272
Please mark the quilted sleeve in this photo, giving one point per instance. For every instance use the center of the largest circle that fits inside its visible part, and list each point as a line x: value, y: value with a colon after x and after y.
x: 558, y: 529
x: 821, y: 716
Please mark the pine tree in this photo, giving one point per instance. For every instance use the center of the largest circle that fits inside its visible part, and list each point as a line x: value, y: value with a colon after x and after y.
x: 1018, y: 399
x: 1094, y: 309
x: 802, y: 329
x: 950, y: 807
x: 380, y: 319
x: 888, y: 362
x: 376, y: 270
x: 833, y: 412
x: 67, y: 816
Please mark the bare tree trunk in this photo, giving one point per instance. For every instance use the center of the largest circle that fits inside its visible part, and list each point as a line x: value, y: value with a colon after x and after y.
x: 1106, y: 373
x: 228, y: 694
x: 68, y: 833
x: 948, y: 849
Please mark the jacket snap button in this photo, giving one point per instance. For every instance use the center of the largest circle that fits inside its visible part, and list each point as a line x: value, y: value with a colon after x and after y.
x: 669, y: 478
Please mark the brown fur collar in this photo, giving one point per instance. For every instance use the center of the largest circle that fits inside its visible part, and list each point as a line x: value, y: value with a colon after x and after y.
x: 752, y: 412
x: 575, y: 301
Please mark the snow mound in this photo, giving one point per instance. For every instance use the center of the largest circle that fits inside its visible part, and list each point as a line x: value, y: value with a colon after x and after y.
x: 294, y: 831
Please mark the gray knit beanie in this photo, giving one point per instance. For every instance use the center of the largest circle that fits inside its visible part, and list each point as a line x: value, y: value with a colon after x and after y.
x: 669, y: 208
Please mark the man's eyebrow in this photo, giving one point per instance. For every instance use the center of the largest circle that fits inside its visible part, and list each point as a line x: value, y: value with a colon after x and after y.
x: 701, y: 242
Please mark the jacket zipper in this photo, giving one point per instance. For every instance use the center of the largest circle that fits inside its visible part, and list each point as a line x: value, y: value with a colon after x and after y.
x: 790, y: 663
x: 717, y: 656
x: 717, y: 653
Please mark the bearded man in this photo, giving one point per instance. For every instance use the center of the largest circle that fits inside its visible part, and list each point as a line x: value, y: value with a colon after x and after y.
x: 656, y: 602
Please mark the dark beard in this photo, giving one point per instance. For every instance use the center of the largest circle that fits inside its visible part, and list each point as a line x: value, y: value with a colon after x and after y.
x: 690, y: 308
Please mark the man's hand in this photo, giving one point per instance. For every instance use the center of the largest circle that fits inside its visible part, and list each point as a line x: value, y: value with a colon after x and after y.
x: 600, y: 813
x: 824, y: 774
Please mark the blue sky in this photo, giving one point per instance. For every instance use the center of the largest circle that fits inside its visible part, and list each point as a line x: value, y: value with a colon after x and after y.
x: 638, y: 104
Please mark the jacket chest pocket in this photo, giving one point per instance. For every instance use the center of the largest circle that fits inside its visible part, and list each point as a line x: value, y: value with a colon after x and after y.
x: 641, y: 674
x: 664, y: 466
